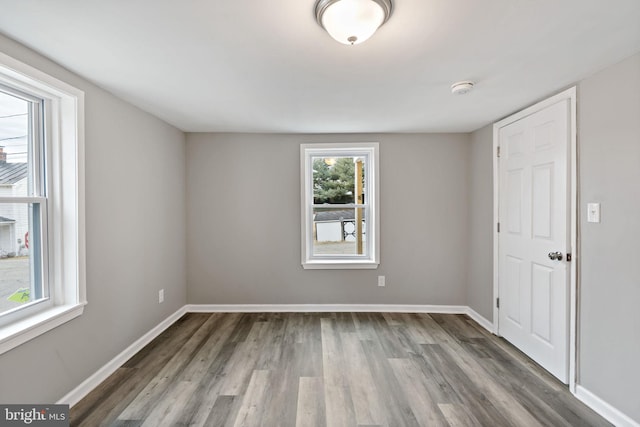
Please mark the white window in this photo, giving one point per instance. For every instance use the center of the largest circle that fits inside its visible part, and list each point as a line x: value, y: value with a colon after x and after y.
x: 42, y: 276
x: 340, y: 227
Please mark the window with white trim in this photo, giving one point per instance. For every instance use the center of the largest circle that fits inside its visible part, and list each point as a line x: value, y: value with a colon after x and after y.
x: 42, y: 277
x: 340, y: 226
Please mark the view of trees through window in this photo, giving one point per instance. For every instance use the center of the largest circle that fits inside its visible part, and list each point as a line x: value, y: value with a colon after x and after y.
x: 334, y: 180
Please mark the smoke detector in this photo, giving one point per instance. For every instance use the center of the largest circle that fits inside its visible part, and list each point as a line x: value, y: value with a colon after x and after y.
x: 461, y: 88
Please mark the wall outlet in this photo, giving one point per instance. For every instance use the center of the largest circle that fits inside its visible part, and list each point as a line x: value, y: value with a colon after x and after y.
x: 160, y: 296
x: 381, y: 281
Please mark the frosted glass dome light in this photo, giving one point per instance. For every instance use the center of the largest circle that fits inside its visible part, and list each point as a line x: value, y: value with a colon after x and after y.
x: 352, y: 21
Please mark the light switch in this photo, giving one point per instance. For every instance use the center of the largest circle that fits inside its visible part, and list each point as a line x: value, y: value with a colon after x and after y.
x: 593, y: 212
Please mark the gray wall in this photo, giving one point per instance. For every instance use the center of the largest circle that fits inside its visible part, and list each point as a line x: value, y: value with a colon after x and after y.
x: 609, y: 153
x: 135, y: 231
x: 243, y: 216
x: 480, y: 281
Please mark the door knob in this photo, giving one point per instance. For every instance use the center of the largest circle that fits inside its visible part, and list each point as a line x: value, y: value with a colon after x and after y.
x: 555, y: 256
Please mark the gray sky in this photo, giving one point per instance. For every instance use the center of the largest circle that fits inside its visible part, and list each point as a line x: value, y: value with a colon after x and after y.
x: 13, y: 127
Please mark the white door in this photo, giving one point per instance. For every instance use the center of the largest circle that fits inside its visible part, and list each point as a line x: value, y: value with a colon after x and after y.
x: 534, y: 236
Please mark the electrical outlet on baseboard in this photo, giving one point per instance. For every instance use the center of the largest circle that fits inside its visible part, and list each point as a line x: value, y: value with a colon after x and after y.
x: 160, y: 296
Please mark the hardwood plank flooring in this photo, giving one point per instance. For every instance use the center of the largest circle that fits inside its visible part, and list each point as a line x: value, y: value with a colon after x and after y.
x: 330, y: 369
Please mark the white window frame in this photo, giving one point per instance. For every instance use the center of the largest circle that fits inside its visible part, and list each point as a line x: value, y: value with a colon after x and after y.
x: 368, y: 150
x: 64, y: 225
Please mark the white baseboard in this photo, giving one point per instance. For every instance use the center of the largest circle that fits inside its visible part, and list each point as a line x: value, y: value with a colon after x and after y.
x: 611, y: 414
x: 325, y: 308
x: 480, y: 320
x: 75, y: 395
x: 341, y: 308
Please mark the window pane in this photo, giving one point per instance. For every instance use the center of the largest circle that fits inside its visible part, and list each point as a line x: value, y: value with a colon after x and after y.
x: 335, y: 231
x: 20, y: 259
x: 334, y: 180
x: 15, y: 135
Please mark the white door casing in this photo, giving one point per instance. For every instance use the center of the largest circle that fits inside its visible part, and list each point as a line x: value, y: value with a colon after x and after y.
x: 534, y: 209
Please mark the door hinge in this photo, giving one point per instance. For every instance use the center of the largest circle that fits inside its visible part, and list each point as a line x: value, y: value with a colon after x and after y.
x: 497, y: 302
x: 498, y: 227
x: 498, y: 151
x: 568, y: 257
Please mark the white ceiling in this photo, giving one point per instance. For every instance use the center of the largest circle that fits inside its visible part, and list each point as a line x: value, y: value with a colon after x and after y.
x: 266, y: 66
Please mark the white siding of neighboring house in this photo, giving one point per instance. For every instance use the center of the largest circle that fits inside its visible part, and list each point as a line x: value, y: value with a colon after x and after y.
x: 17, y: 212
x: 329, y: 231
x: 7, y: 238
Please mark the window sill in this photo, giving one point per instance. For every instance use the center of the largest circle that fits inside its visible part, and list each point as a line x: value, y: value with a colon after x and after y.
x: 339, y: 265
x: 14, y: 334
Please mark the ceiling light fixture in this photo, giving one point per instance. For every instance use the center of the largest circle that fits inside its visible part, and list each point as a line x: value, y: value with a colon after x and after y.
x: 352, y: 21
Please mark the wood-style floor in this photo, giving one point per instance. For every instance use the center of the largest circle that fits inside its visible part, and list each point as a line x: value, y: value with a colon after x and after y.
x: 330, y: 369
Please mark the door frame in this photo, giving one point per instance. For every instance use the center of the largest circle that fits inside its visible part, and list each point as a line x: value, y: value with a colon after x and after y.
x: 570, y: 95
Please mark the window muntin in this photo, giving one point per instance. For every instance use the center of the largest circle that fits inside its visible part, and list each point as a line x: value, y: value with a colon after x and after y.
x: 339, y: 205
